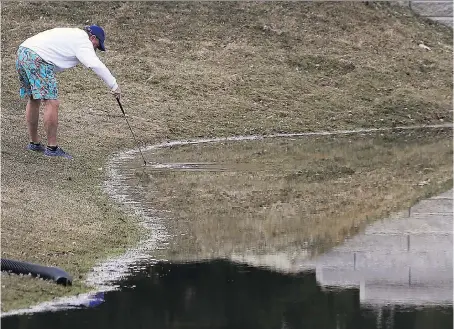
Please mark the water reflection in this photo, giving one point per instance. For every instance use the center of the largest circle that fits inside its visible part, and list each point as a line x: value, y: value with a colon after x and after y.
x: 220, y: 294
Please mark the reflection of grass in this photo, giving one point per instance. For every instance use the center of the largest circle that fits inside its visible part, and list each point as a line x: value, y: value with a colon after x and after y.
x: 280, y: 194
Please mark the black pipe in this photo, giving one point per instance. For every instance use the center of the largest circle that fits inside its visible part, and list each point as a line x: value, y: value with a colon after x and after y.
x: 46, y: 272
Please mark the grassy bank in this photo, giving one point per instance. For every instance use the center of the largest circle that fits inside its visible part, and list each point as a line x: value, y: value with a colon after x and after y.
x: 191, y: 70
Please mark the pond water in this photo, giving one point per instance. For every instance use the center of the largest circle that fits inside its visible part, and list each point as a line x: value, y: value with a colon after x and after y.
x: 221, y: 294
x: 395, y: 274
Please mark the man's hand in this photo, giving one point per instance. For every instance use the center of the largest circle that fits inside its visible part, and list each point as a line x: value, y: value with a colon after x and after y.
x: 117, y: 92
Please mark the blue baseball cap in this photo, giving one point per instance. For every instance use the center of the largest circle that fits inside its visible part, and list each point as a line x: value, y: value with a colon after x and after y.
x: 98, y: 32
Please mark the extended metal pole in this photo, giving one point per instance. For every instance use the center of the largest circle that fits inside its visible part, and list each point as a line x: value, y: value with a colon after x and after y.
x: 121, y: 107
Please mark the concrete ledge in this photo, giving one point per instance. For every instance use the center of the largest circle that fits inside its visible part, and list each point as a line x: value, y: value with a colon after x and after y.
x: 443, y: 20
x: 405, y: 295
x: 432, y: 9
x: 391, y: 277
x: 440, y: 11
x: 419, y: 260
x: 433, y: 206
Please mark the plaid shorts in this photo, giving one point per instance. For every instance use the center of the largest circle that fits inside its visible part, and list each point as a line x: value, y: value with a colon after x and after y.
x: 36, y: 77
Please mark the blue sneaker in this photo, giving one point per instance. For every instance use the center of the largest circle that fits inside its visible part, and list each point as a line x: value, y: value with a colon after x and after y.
x: 57, y: 153
x: 36, y: 147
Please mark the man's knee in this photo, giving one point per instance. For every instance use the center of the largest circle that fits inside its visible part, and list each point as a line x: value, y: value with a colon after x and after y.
x: 52, y: 103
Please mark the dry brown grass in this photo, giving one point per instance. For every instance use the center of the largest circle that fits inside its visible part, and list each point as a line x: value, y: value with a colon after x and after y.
x: 199, y: 69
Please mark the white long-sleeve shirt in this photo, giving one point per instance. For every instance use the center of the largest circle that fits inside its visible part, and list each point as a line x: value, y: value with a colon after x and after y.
x: 67, y: 47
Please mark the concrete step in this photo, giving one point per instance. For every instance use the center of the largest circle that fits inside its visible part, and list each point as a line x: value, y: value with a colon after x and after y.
x: 396, y: 242
x: 384, y: 259
x: 432, y: 206
x: 385, y: 276
x: 416, y: 224
x: 432, y: 8
x: 404, y: 295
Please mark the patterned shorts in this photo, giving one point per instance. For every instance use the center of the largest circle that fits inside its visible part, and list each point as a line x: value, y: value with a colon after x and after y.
x: 37, y: 77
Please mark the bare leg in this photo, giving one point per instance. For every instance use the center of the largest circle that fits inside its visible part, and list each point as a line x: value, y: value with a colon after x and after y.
x: 51, y: 120
x: 32, y: 117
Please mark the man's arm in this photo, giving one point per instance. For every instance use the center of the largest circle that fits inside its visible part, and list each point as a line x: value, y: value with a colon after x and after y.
x: 87, y: 56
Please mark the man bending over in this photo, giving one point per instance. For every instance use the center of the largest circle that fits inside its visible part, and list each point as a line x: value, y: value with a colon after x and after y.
x: 43, y: 55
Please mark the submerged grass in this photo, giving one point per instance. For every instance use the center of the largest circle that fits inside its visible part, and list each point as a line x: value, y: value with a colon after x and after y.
x: 283, y: 195
x: 201, y: 69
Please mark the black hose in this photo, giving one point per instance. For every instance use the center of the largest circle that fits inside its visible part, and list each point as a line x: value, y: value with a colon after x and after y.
x: 46, y: 272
